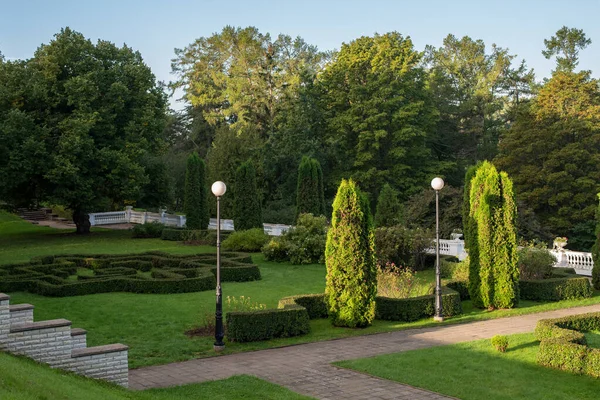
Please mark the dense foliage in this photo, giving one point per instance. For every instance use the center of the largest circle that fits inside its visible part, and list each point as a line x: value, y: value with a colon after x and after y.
x: 388, y: 211
x: 596, y: 251
x: 303, y: 243
x: 493, y: 208
x: 247, y: 209
x: 195, y: 201
x: 250, y: 240
x: 309, y: 192
x: 402, y: 246
x: 351, y: 283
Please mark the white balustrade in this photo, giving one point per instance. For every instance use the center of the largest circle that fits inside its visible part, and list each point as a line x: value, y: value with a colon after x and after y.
x: 581, y: 262
x: 108, y: 218
x: 450, y: 247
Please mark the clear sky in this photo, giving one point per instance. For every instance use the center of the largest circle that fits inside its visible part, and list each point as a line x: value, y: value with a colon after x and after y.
x: 155, y: 27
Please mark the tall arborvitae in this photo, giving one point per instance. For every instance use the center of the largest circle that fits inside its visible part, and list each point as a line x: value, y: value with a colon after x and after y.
x: 596, y: 251
x: 195, y: 201
x: 470, y: 238
x: 351, y: 284
x: 247, y: 209
x: 309, y: 192
x: 388, y: 211
x: 493, y: 208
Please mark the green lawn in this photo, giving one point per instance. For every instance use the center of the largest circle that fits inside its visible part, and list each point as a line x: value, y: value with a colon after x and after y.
x: 23, y: 379
x: 476, y: 371
x: 145, y: 321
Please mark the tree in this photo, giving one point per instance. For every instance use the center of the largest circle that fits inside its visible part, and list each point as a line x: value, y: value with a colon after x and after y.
x: 378, y: 114
x: 470, y: 236
x: 389, y: 208
x: 552, y: 151
x: 195, y: 203
x: 77, y: 120
x: 247, y: 209
x: 351, y: 284
x: 493, y: 209
x: 596, y: 251
x: 419, y: 210
x: 565, y: 45
x: 309, y: 192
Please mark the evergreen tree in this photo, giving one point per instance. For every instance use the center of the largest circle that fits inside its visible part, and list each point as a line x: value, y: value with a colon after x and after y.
x: 596, y: 251
x: 470, y: 238
x: 388, y: 211
x: 195, y: 207
x: 246, y: 203
x: 351, y: 284
x: 309, y: 193
x: 494, y: 211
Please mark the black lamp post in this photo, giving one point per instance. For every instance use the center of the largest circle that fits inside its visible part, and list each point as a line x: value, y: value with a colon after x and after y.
x: 218, y: 188
x: 437, y: 184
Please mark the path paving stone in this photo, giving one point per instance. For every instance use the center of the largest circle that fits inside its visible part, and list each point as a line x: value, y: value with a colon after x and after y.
x: 307, y: 368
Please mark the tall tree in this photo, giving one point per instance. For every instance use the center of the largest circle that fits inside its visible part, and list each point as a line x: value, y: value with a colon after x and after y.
x: 247, y: 208
x: 565, y: 45
x: 596, y: 251
x: 77, y: 119
x: 388, y: 211
x: 378, y: 114
x: 350, y: 259
x: 309, y: 192
x: 552, y: 151
x: 494, y: 212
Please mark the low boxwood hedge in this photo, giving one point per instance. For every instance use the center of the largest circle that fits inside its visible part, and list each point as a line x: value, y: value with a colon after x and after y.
x: 315, y: 304
x: 415, y: 308
x: 250, y: 326
x: 57, y: 275
x: 559, y: 287
x: 563, y: 346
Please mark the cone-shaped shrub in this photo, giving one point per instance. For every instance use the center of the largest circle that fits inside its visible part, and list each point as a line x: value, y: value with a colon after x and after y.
x: 246, y: 202
x: 195, y: 201
x: 351, y: 284
x: 388, y: 211
x: 309, y: 192
x: 494, y: 211
x: 470, y: 238
x: 596, y: 251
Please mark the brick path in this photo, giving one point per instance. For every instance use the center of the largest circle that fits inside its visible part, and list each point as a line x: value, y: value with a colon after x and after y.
x: 307, y: 368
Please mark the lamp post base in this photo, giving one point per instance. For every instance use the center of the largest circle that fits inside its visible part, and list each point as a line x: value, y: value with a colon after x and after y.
x: 438, y: 319
x: 218, y: 349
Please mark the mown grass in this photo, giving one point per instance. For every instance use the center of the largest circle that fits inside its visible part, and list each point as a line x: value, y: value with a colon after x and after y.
x: 476, y: 371
x: 154, y: 326
x: 23, y: 379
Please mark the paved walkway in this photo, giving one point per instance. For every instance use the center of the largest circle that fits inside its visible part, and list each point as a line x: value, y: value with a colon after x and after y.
x: 307, y: 368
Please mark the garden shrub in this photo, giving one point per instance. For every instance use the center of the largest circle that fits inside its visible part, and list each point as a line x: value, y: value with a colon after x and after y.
x: 251, y: 240
x: 246, y: 202
x: 494, y: 267
x: 559, y: 287
x: 149, y: 230
x: 563, y: 346
x: 351, y: 283
x: 535, y: 263
x: 315, y: 304
x: 301, y: 244
x: 123, y: 273
x: 399, y: 283
x: 462, y: 287
x: 250, y: 326
x: 415, y: 308
x: 500, y: 343
x: 402, y: 246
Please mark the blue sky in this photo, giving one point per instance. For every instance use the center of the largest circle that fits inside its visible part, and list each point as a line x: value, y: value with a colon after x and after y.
x: 155, y: 27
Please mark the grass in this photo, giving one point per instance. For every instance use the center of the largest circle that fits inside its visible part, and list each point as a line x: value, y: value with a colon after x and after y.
x: 593, y: 339
x: 474, y: 370
x: 23, y: 379
x: 143, y: 321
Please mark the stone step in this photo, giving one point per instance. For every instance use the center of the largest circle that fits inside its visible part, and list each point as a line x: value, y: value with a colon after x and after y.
x: 32, y: 326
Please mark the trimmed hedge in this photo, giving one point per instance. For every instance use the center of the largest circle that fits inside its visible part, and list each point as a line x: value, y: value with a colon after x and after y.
x: 415, y: 308
x: 462, y: 287
x: 563, y: 346
x: 561, y: 287
x: 250, y: 326
x: 52, y: 275
x: 315, y: 304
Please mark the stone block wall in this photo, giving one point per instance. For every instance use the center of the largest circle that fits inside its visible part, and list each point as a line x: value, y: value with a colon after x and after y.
x: 55, y: 343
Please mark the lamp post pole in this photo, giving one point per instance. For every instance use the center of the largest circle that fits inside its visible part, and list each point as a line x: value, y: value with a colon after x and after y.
x: 437, y: 184
x: 218, y: 189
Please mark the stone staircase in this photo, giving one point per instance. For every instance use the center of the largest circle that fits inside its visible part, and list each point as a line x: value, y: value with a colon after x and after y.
x: 55, y: 343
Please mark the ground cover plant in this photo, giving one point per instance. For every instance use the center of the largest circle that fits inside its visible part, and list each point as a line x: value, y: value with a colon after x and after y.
x: 451, y: 370
x: 42, y: 382
x: 151, y: 272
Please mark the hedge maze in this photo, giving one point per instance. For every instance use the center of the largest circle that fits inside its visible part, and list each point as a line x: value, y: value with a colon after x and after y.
x: 151, y: 272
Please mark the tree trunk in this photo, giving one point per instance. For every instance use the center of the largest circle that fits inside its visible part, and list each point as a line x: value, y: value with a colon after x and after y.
x: 82, y: 222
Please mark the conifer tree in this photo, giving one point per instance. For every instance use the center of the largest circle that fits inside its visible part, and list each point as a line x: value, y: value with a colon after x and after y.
x: 195, y: 201
x: 470, y: 238
x: 388, y: 211
x: 247, y: 208
x: 493, y: 208
x: 596, y: 251
x: 351, y: 284
x: 309, y: 192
